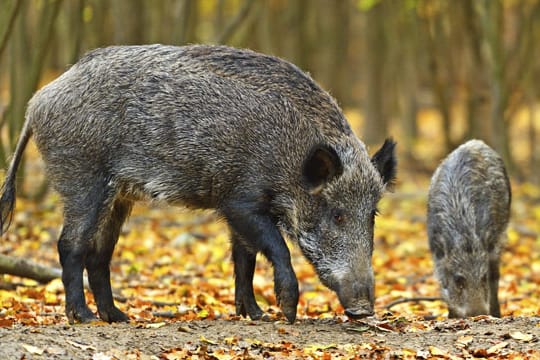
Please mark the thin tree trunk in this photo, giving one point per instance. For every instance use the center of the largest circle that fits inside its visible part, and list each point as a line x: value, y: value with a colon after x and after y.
x: 491, y: 17
x: 375, y: 125
x: 231, y: 28
x: 9, y: 25
x: 77, y: 30
x: 339, y: 54
x: 441, y: 88
x: 410, y: 84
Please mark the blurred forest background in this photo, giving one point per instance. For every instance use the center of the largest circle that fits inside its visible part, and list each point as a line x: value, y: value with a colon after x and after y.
x: 430, y: 73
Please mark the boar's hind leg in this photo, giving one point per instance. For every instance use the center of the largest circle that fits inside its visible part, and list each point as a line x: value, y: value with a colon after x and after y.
x: 261, y: 234
x: 72, y: 259
x: 244, y: 268
x: 98, y: 259
x: 83, y: 210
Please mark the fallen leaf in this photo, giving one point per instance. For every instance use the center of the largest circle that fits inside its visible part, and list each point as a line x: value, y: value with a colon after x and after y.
x: 518, y: 335
x: 6, y: 322
x: 318, y: 347
x: 464, y: 341
x: 102, y: 356
x: 359, y: 329
x: 81, y: 346
x: 207, y: 341
x: 185, y: 329
x: 33, y: 349
x: 495, y: 349
x: 155, y: 325
x: 435, y: 351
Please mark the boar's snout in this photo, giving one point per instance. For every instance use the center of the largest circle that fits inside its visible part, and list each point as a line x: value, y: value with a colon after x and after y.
x: 357, y: 298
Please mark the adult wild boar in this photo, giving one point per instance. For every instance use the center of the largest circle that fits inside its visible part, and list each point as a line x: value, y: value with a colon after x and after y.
x: 211, y: 127
x: 468, y: 211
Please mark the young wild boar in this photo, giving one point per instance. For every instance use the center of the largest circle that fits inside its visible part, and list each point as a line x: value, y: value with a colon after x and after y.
x: 468, y: 210
x: 210, y: 127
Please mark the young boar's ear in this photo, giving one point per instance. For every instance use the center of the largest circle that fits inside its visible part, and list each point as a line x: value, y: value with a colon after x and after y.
x: 321, y: 166
x: 385, y: 162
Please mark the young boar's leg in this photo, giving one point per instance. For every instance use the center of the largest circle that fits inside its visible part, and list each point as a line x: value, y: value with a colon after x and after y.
x: 244, y: 268
x: 494, y: 307
x: 82, y: 212
x: 98, y: 261
x: 258, y: 230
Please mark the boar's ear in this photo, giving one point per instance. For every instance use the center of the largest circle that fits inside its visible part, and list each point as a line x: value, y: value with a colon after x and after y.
x: 385, y: 162
x: 321, y: 166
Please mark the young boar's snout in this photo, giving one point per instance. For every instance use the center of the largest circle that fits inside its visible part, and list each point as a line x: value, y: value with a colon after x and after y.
x: 468, y: 312
x: 473, y: 307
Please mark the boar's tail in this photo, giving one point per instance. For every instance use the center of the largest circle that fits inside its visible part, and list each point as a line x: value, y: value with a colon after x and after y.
x: 7, y: 197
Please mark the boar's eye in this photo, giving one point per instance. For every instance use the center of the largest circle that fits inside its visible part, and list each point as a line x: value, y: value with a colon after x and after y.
x: 460, y: 281
x: 338, y: 216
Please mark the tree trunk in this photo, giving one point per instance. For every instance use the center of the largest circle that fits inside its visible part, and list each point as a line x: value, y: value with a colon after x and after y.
x: 441, y: 86
x: 491, y: 18
x: 339, y: 84
x: 409, y: 88
x: 375, y: 124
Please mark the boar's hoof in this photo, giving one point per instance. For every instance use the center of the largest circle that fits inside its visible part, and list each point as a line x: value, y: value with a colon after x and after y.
x: 358, y: 313
x: 113, y: 315
x: 287, y: 295
x: 288, y: 303
x: 80, y: 316
x: 248, y: 306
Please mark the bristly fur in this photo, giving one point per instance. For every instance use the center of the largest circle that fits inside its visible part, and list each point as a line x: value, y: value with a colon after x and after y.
x: 468, y: 211
x: 207, y: 127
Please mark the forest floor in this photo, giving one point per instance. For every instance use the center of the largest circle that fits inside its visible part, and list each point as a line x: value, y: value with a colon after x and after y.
x: 307, y: 338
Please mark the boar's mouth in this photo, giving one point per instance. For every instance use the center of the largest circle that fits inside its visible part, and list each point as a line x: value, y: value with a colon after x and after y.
x: 359, y: 312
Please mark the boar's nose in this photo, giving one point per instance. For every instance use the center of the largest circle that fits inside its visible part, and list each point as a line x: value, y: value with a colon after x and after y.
x: 357, y: 300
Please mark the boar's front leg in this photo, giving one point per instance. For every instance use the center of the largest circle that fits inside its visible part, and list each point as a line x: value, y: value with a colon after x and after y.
x: 244, y: 268
x: 494, y: 307
x: 256, y: 227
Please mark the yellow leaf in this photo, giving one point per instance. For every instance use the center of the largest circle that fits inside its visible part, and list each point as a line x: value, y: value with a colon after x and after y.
x: 155, y: 325
x: 435, y: 351
x: 205, y: 340
x: 463, y: 341
x: 497, y: 348
x: 33, y: 349
x: 408, y: 353
x: 202, y: 314
x: 518, y: 335
x: 319, y: 347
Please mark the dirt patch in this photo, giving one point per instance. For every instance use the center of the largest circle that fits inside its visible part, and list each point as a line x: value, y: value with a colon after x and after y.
x: 306, y: 338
